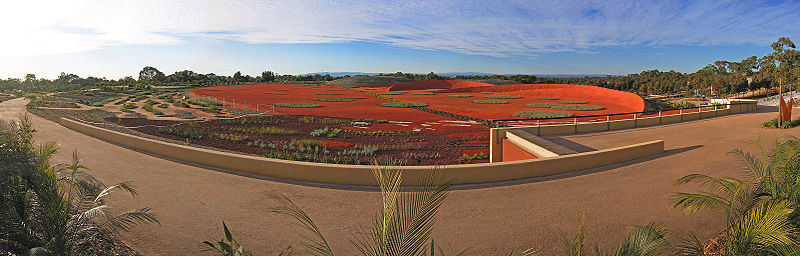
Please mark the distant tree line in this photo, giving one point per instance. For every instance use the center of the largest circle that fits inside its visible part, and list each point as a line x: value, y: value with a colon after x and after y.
x: 723, y: 77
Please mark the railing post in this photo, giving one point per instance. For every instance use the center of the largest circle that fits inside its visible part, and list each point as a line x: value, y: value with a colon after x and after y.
x: 681, y: 114
x: 575, y: 122
x: 659, y: 117
x: 608, y: 122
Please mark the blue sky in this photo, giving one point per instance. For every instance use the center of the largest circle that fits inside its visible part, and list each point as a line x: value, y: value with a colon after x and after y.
x: 117, y: 38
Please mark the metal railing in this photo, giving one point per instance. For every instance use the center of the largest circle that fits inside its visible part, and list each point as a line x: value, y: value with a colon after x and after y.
x: 609, y: 117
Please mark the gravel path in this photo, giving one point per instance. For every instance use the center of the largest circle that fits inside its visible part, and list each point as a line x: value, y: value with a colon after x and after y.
x: 191, y: 202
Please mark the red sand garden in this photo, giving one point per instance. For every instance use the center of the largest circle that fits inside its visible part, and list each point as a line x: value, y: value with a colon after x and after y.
x: 413, y: 123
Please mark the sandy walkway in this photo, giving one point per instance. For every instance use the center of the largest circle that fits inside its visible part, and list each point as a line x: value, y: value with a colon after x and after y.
x: 191, y: 202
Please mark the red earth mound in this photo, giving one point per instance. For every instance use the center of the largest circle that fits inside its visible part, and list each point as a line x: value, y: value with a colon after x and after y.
x: 456, y: 97
x: 337, y: 143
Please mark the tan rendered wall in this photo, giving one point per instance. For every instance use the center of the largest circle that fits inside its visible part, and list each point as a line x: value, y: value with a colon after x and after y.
x: 362, y: 175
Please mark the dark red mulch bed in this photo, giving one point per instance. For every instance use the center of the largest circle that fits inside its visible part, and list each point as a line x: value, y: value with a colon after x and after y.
x: 439, y: 150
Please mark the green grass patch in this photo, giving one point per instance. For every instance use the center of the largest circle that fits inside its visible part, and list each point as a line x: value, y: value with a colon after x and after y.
x: 488, y: 92
x: 326, y: 132
x: 391, y: 93
x: 334, y: 99
x: 542, y: 114
x: 546, y: 98
x: 502, y: 97
x: 163, y: 106
x: 433, y: 90
x: 459, y: 96
x: 275, y: 93
x: 423, y: 93
x: 565, y: 107
x: 400, y: 104
x: 490, y: 102
x: 354, y: 97
x: 573, y: 102
x: 210, y: 89
x: 298, y: 105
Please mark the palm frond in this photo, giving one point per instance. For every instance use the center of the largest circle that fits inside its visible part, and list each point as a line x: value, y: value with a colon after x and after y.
x: 124, y: 221
x: 573, y: 246
x: 647, y: 240
x: 691, y: 246
x: 693, y: 202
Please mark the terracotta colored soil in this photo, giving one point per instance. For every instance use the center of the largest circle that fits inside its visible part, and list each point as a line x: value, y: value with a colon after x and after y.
x: 513, y: 153
x: 256, y: 98
x: 337, y: 143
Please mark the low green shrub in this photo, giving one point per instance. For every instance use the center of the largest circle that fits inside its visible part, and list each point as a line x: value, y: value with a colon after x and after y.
x: 542, y: 114
x: 320, y: 120
x: 129, y: 105
x: 502, y: 97
x: 400, y: 104
x: 459, y: 96
x: 274, y: 93
x: 490, y: 101
x: 391, y: 93
x: 207, y: 89
x: 565, y: 107
x: 297, y: 105
x: 163, y: 106
x: 183, y: 132
x: 785, y: 125
x: 281, y: 89
x: 433, y: 90
x: 334, y: 99
x: 423, y: 93
x: 326, y: 132
x: 364, y: 151
x: 573, y: 102
x: 488, y: 92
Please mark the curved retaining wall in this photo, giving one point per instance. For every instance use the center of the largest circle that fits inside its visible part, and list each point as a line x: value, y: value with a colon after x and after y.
x: 362, y: 175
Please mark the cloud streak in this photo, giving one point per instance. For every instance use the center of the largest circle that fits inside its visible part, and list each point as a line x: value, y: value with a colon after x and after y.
x: 509, y: 28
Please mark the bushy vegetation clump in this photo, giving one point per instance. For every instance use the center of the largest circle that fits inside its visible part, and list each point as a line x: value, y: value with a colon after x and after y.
x: 274, y: 93
x: 488, y: 92
x: 401, y: 104
x: 423, y: 93
x: 542, y: 114
x: 326, y: 132
x: 565, y: 107
x: 205, y: 102
x: 188, y: 133
x: 392, y: 93
x: 490, y: 101
x: 298, y: 105
x: 459, y: 96
x: 573, y: 102
x: 334, y: 99
x: 785, y: 125
x: 60, y: 209
x: 502, y: 97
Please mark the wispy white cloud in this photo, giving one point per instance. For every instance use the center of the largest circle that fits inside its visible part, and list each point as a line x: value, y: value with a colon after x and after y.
x: 492, y: 28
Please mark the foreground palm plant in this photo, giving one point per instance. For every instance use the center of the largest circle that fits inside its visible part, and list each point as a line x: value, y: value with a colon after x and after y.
x: 758, y: 210
x: 51, y: 208
x: 647, y: 240
x: 402, y: 227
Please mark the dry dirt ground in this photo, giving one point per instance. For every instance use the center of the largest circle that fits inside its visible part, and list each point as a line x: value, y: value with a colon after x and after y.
x: 191, y: 202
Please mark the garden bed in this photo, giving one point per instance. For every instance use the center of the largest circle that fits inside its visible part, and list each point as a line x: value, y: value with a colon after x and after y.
x: 316, y: 139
